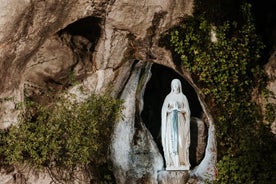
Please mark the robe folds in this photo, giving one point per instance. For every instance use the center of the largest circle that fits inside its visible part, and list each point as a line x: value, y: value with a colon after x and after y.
x: 175, y: 130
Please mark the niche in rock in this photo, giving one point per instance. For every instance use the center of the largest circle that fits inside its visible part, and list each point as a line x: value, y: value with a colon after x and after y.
x: 156, y: 90
x: 88, y: 28
x: 82, y: 37
x: 64, y: 59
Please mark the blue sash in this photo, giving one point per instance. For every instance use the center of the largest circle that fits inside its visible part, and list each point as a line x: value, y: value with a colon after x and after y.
x: 175, y: 131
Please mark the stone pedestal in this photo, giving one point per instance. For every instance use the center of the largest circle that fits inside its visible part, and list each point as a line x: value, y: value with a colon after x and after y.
x: 175, y: 177
x: 178, y: 168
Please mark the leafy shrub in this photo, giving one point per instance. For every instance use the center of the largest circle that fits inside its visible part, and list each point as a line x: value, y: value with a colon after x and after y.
x: 65, y: 135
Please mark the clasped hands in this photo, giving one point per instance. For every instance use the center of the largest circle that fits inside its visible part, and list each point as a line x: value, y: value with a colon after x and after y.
x: 175, y: 107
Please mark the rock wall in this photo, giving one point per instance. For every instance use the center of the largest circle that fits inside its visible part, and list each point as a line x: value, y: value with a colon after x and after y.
x: 25, y: 27
x: 128, y: 29
x: 270, y: 69
x: 135, y: 154
x: 96, y: 46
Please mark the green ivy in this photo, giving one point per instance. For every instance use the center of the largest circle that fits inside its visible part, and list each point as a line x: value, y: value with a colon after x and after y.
x: 66, y: 134
x: 270, y: 112
x: 227, y: 70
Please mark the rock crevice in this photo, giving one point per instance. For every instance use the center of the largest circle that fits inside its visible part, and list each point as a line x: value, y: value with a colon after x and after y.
x: 95, y: 46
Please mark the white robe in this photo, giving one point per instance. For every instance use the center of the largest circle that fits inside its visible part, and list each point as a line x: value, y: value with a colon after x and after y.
x: 176, y: 153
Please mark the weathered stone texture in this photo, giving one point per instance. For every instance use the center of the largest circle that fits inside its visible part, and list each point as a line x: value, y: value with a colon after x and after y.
x: 270, y: 69
x: 198, y: 140
x: 175, y: 177
x: 25, y: 25
x: 46, y: 46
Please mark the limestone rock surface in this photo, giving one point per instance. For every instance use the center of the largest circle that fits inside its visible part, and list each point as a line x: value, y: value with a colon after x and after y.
x: 270, y: 69
x: 176, y: 177
x: 198, y: 140
x: 96, y: 46
x: 25, y: 26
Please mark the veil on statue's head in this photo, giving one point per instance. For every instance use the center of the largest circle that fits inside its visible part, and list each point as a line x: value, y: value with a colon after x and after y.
x: 177, y: 82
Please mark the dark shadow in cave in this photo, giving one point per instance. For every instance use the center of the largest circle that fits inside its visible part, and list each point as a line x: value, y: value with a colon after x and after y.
x: 83, y: 36
x: 156, y: 90
x: 88, y: 27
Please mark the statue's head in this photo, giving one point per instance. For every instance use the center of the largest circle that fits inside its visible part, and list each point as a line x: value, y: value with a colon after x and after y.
x: 176, y: 86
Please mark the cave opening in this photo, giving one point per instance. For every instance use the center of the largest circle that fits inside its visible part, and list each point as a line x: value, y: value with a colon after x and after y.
x: 156, y: 90
x: 69, y: 62
x: 88, y: 27
x: 81, y: 37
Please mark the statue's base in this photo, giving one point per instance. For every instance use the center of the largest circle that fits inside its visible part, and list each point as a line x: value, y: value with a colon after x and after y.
x: 173, y: 176
x: 179, y: 168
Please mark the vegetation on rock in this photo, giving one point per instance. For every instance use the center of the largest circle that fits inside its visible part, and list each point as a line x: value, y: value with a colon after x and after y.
x: 63, y: 135
x: 223, y: 54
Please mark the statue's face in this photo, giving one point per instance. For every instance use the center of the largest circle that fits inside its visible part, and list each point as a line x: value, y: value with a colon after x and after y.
x: 175, y: 87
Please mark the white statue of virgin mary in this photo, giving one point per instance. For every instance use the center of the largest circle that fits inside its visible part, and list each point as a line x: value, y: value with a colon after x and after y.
x: 175, y: 128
